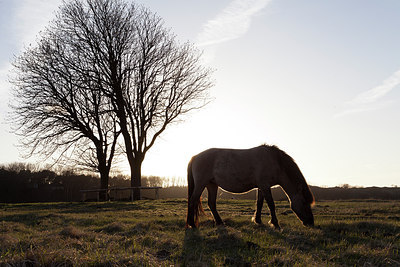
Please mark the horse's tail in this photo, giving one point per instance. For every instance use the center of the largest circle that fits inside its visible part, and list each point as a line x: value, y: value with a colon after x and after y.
x: 198, y: 207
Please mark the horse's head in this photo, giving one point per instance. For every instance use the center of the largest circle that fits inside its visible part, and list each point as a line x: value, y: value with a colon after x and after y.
x: 302, y: 208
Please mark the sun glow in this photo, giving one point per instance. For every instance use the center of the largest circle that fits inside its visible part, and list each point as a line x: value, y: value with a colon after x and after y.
x: 205, y: 129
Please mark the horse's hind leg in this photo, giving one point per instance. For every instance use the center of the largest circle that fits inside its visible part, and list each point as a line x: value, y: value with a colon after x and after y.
x: 271, y: 205
x: 260, y: 202
x: 212, y: 202
x: 193, y: 202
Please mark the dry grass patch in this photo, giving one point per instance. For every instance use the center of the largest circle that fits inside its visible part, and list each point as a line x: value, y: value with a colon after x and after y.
x: 152, y: 233
x: 72, y: 232
x: 8, y: 241
x: 115, y: 227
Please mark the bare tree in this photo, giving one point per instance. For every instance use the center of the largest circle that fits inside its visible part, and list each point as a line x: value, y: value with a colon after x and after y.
x: 169, y: 82
x: 151, y: 79
x: 160, y: 81
x: 123, y: 52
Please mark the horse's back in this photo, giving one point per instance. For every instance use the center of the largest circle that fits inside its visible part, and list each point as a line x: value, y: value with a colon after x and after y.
x: 234, y: 170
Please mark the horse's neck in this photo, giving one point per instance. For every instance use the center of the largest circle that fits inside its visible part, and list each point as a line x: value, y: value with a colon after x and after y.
x: 289, y: 187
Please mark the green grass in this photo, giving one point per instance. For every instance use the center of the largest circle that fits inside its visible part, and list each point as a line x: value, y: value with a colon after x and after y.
x: 152, y: 233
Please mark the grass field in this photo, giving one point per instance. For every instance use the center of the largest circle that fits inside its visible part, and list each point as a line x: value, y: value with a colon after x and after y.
x: 152, y: 233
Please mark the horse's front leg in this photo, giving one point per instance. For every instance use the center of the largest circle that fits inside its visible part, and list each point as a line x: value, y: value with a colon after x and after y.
x: 260, y: 201
x: 271, y: 205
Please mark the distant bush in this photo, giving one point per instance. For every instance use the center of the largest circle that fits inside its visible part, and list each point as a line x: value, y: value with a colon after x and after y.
x: 346, y: 193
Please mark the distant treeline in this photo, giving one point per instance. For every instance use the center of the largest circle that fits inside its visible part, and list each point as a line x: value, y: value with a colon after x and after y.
x: 22, y: 183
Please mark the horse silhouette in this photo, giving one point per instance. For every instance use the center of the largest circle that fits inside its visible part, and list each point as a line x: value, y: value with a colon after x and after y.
x: 241, y: 170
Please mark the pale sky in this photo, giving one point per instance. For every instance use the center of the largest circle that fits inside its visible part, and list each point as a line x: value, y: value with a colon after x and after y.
x: 319, y: 79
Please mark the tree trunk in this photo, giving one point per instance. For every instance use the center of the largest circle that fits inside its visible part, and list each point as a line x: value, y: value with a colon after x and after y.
x: 104, y: 178
x: 136, y: 177
x: 104, y: 171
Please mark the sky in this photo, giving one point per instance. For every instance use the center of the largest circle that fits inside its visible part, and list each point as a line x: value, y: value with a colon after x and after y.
x: 319, y: 79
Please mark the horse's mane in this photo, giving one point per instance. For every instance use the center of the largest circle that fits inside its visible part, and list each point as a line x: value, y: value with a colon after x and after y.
x: 293, y: 172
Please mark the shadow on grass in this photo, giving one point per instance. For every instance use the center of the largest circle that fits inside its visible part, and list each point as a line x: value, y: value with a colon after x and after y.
x: 221, y: 246
x: 349, y: 243
x: 344, y: 243
x: 34, y: 214
x: 79, y: 207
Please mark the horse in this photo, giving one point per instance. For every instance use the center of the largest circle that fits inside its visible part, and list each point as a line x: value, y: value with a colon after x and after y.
x: 241, y: 170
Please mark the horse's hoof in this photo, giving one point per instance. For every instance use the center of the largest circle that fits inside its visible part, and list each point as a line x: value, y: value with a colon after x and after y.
x: 191, y: 226
x: 256, y: 221
x: 275, y: 226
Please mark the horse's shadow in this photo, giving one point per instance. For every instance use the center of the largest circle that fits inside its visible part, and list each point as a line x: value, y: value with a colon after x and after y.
x: 220, y: 246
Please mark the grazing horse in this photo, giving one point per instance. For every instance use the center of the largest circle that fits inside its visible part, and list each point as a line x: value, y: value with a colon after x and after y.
x: 241, y: 170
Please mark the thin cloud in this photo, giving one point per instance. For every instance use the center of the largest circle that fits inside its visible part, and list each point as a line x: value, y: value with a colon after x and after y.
x: 363, y: 108
x: 371, y: 99
x: 379, y: 91
x: 231, y: 23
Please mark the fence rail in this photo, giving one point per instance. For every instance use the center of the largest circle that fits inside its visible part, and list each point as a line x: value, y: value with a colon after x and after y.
x: 116, y: 189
